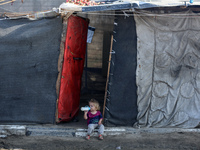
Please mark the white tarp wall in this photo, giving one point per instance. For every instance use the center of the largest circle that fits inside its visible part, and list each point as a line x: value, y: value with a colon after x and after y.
x: 168, y: 69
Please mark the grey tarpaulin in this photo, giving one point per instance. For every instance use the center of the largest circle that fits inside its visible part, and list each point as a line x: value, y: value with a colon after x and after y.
x: 28, y: 61
x: 121, y: 103
x: 168, y: 69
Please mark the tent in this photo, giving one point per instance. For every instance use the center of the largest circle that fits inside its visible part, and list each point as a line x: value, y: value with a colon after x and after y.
x: 159, y: 50
x: 38, y: 67
x: 167, y: 75
x: 152, y: 71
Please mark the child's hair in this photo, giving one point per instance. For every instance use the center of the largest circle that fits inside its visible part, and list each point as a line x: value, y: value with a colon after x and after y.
x: 96, y: 103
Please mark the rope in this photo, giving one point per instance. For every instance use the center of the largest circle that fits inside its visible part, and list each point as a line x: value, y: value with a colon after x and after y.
x: 7, y: 2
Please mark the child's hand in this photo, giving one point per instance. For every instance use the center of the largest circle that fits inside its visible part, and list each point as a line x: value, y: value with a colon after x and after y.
x: 85, y: 115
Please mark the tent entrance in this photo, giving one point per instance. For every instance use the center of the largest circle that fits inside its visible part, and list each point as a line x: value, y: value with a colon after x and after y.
x: 93, y: 78
x: 119, y: 101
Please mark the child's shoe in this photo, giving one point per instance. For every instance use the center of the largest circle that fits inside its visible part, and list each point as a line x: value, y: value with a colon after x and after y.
x: 100, y: 137
x: 87, y: 137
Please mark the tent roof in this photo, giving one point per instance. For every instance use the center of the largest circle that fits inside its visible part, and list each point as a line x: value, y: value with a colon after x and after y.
x: 69, y: 8
x: 119, y: 5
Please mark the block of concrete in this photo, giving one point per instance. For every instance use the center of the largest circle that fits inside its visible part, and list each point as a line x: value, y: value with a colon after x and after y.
x: 12, y: 130
x: 107, y: 131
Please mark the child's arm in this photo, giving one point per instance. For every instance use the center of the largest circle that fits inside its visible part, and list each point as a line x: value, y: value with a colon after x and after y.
x: 85, y: 115
x: 100, y: 121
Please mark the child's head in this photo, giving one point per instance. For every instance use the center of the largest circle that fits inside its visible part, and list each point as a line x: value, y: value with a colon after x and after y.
x: 94, y: 103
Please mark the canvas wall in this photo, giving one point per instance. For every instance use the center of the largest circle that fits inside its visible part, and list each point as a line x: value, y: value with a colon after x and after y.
x: 28, y: 60
x: 121, y: 100
x: 168, y: 69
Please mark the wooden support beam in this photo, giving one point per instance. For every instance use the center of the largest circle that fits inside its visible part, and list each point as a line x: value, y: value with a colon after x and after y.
x: 108, y: 73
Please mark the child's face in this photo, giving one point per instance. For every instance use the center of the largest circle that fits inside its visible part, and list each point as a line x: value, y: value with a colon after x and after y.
x: 92, y: 106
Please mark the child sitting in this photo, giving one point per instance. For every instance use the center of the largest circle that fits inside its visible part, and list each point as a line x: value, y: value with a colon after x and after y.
x: 94, y: 119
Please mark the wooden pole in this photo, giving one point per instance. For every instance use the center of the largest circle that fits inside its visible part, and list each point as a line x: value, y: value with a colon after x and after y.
x: 105, y: 96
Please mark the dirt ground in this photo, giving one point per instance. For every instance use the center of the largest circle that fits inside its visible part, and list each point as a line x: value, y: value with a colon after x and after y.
x: 144, y: 141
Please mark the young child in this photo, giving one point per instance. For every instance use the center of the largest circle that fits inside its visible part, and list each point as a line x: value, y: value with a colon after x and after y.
x: 94, y: 119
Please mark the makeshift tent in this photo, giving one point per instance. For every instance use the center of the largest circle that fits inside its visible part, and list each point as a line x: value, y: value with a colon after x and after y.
x: 167, y: 74
x: 29, y: 56
x: 153, y: 72
x: 30, y: 66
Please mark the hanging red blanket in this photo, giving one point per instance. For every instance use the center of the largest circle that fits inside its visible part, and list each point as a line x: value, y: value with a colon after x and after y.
x: 72, y: 69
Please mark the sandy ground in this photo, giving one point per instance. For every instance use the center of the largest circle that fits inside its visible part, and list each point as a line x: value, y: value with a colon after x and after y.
x: 169, y: 141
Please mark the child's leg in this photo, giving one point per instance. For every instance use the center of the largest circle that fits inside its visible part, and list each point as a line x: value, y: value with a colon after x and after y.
x: 101, y: 129
x: 91, y: 127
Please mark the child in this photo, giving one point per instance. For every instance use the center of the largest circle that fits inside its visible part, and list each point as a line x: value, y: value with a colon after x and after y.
x: 94, y: 119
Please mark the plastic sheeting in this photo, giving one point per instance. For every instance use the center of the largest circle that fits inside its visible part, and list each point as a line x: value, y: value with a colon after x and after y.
x: 28, y: 60
x: 168, y: 70
x: 121, y: 102
x: 74, y: 56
